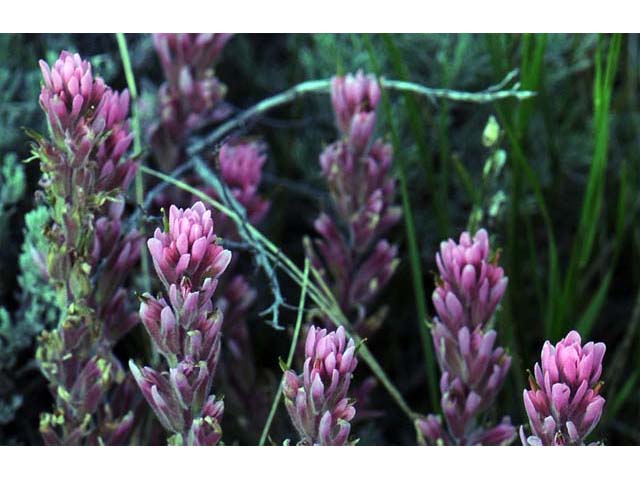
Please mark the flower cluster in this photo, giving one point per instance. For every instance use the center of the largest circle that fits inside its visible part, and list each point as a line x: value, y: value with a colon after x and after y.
x: 564, y: 403
x: 356, y: 262
x: 241, y: 166
x: 185, y: 329
x: 317, y: 400
x: 191, y: 93
x: 85, y: 175
x: 473, y: 367
x: 90, y: 120
x: 192, y: 97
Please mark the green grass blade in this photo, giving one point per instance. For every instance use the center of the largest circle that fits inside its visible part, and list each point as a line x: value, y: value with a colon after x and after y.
x: 595, y: 186
x: 621, y: 397
x: 440, y: 203
x: 594, y: 193
x: 588, y: 318
x: 414, y: 252
x: 137, y: 140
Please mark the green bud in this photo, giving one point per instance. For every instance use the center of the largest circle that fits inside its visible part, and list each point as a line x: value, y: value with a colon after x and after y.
x: 491, y: 132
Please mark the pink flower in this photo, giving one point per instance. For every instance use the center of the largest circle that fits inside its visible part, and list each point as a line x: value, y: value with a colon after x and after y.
x: 186, y: 330
x: 473, y: 366
x: 354, y: 99
x: 317, y: 400
x: 564, y: 404
x: 70, y: 91
x: 191, y: 94
x: 471, y: 285
x: 197, y: 50
x: 241, y: 169
x: 91, y: 121
x: 188, y: 249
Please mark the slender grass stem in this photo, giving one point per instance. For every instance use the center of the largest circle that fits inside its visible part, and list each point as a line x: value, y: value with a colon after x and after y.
x: 594, y: 192
x: 292, y: 349
x: 414, y: 251
x: 137, y: 141
x: 440, y: 204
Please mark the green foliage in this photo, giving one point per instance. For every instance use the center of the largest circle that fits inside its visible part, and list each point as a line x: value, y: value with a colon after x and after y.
x: 18, y: 90
x: 37, y: 310
x: 13, y: 181
x: 38, y: 299
x: 12, y: 189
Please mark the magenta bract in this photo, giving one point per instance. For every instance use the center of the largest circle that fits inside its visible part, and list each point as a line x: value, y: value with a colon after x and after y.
x: 317, y: 400
x: 564, y: 404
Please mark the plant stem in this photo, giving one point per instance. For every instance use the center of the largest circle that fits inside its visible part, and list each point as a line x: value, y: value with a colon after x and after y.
x: 292, y: 349
x: 137, y: 141
x: 414, y: 251
x: 491, y: 94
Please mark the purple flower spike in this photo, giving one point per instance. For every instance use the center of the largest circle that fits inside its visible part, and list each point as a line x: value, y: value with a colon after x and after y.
x: 86, y: 172
x: 317, y: 400
x: 473, y: 366
x: 351, y: 252
x: 191, y: 94
x: 186, y: 329
x: 91, y: 120
x: 564, y: 404
x: 356, y: 260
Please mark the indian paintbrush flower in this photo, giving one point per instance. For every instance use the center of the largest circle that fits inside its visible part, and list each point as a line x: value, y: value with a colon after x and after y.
x: 564, y: 403
x: 471, y: 284
x: 86, y: 173
x: 354, y: 259
x: 241, y: 166
x: 317, y: 399
x: 186, y: 328
x: 188, y: 249
x: 191, y: 94
x: 467, y: 294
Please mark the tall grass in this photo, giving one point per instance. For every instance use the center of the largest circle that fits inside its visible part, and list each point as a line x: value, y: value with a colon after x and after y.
x: 414, y: 251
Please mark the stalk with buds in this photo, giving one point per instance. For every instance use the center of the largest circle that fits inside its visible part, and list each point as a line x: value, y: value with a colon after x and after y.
x: 467, y: 294
x: 185, y: 329
x: 351, y: 254
x: 85, y: 174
